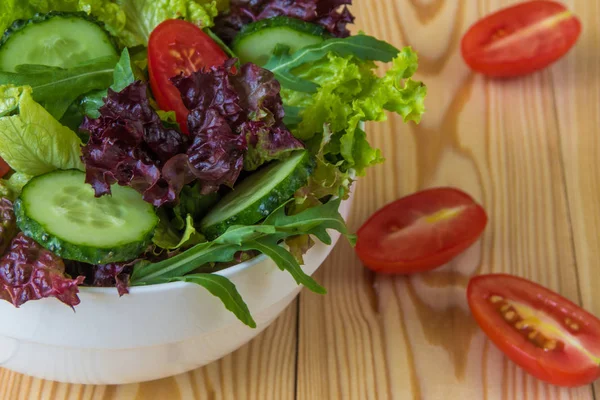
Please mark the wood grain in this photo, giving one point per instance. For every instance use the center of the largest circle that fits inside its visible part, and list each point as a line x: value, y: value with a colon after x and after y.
x: 577, y: 94
x: 405, y: 338
x: 527, y: 149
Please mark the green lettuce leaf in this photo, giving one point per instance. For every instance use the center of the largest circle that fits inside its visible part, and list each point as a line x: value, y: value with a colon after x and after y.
x: 349, y: 93
x: 11, y: 188
x: 168, y: 236
x: 33, y: 142
x: 142, y: 16
x: 176, y: 228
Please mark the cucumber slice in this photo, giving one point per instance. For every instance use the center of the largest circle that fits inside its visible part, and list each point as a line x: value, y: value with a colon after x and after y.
x: 59, y: 211
x: 259, y: 195
x: 55, y: 39
x: 256, y: 42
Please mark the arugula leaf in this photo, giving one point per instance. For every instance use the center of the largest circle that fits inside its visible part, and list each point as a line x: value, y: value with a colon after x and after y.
x: 33, y: 142
x: 363, y: 47
x: 122, y: 76
x: 263, y: 237
x: 220, y: 42
x: 183, y: 263
x: 270, y: 247
x: 57, y: 88
x: 220, y: 287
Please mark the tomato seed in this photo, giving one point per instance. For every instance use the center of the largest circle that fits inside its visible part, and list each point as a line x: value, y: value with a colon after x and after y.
x: 525, y: 328
x: 496, y: 299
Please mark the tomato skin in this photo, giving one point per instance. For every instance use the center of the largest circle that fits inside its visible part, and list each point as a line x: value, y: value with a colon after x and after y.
x: 565, y: 366
x: 174, y: 47
x: 396, y: 240
x: 4, y: 168
x: 508, y: 42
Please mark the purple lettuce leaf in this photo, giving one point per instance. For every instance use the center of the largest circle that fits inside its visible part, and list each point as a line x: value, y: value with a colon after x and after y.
x: 236, y: 121
x: 333, y: 15
x: 114, y: 275
x: 129, y: 145
x: 235, y: 113
x: 30, y: 272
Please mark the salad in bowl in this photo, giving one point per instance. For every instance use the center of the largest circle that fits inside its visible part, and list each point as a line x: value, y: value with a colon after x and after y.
x: 151, y: 142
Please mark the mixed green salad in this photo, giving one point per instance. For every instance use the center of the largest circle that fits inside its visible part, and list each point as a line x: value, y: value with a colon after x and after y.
x: 146, y: 142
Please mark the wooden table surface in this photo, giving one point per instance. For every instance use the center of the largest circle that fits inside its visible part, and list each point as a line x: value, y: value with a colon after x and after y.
x: 527, y: 149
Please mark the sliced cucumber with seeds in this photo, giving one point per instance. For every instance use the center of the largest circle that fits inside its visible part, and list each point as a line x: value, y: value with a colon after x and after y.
x: 59, y: 211
x: 259, y: 195
x: 56, y: 39
x: 256, y: 42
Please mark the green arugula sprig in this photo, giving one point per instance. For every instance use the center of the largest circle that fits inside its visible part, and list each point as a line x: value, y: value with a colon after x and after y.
x: 121, y: 77
x: 57, y: 88
x: 265, y: 238
x: 364, y: 47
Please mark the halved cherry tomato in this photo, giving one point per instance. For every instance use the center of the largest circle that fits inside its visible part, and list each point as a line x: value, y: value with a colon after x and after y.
x: 176, y: 46
x: 547, y: 335
x: 520, y: 39
x: 420, y: 232
x: 4, y: 168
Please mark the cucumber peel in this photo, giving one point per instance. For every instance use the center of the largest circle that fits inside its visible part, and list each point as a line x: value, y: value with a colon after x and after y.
x: 259, y: 195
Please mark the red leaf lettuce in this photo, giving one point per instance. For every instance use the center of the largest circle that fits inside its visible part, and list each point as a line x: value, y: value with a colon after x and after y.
x: 30, y: 272
x: 129, y: 145
x: 235, y: 122
x: 326, y: 13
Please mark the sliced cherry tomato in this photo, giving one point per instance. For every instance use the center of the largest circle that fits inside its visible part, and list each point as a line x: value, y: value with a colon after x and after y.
x: 420, y: 232
x: 4, y: 168
x: 176, y: 46
x: 547, y: 335
x: 520, y: 39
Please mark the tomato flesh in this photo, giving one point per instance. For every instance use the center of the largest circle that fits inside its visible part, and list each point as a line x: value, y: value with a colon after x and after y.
x: 520, y: 39
x: 178, y: 47
x: 547, y: 335
x: 420, y: 232
x: 4, y: 168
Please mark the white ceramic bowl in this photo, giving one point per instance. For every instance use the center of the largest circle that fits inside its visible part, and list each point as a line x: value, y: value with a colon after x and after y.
x: 154, y: 332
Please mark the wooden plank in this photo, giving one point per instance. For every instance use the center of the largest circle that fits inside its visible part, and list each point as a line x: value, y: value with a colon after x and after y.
x: 380, y: 337
x: 577, y: 94
x: 263, y: 369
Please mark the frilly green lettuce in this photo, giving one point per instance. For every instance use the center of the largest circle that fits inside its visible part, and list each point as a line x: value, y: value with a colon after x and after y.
x: 142, y: 16
x: 350, y: 93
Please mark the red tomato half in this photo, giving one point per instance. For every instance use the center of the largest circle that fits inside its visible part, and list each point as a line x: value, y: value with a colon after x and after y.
x: 176, y: 46
x: 420, y: 232
x: 520, y: 39
x: 4, y: 168
x: 550, y: 337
